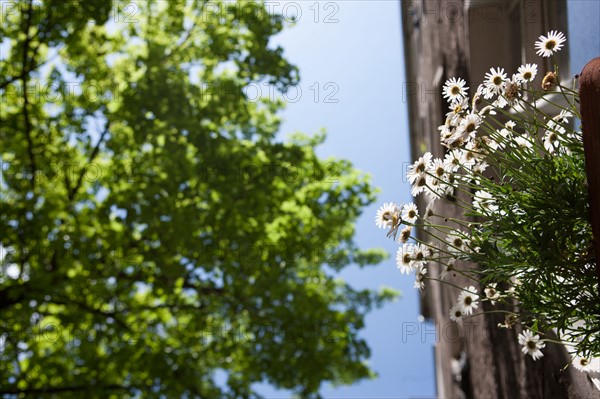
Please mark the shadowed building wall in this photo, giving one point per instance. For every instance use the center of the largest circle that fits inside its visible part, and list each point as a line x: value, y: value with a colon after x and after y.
x: 444, y: 39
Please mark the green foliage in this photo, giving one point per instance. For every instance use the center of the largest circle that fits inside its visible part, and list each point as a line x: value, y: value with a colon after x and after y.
x: 153, y: 230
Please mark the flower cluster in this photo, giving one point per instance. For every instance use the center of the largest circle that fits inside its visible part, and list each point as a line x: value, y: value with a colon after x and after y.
x: 513, y: 168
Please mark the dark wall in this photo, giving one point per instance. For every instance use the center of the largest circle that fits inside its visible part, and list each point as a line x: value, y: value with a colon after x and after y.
x: 444, y: 39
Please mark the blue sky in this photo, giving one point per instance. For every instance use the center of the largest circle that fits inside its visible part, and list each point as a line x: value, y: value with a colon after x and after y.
x: 583, y: 31
x: 358, y: 61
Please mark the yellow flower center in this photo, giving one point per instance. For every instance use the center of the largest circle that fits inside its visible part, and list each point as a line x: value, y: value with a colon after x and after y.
x: 584, y: 362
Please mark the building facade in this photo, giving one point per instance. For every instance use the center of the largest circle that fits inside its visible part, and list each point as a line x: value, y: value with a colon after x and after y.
x: 464, y: 38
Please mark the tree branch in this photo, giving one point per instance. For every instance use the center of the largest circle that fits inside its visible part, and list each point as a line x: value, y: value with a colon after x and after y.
x: 91, y: 158
x: 24, y: 77
x: 188, y: 34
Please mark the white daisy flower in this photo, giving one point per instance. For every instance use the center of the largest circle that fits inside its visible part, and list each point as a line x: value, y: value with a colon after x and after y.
x: 469, y: 125
x: 429, y: 210
x: 456, y: 314
x: 404, y: 259
x: 527, y: 73
x: 446, y: 134
x: 548, y: 45
x: 494, y: 82
x: 420, y: 275
x: 387, y: 215
x: 476, y: 147
x: 446, y: 190
x: 494, y: 145
x: 437, y: 169
x: 586, y: 364
x: 410, y: 213
x: 429, y: 252
x: 418, y: 256
x: 447, y: 268
x: 505, y: 135
x: 435, y: 188
x: 499, y: 103
x: 405, y: 234
x: 456, y: 242
x: 522, y: 142
x: 468, y: 300
x: 452, y: 160
x: 563, y: 116
x: 477, y: 97
x: 480, y: 167
x: 456, y: 139
x: 456, y: 109
x: 444, y: 273
x: 557, y: 128
x: 492, y: 293
x: 551, y: 141
x: 531, y: 344
x: 484, y: 202
x: 482, y: 144
x: 419, y: 185
x: 510, y: 125
x: 511, y: 291
x: 420, y: 165
x: 454, y: 89
x: 468, y: 158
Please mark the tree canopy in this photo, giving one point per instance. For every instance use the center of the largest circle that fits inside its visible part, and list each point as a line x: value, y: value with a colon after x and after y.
x: 155, y: 233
